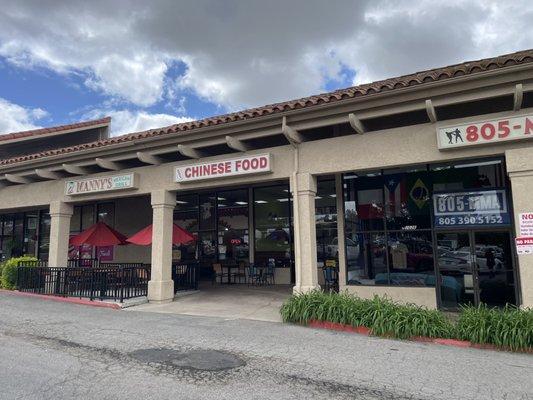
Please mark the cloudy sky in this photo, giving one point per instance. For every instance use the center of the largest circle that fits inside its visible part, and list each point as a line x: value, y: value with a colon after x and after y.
x: 149, y: 64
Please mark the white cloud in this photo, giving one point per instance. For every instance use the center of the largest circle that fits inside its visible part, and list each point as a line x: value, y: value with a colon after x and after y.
x: 127, y: 121
x: 15, y: 118
x: 239, y: 54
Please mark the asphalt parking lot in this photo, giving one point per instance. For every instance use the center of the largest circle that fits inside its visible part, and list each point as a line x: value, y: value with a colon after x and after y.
x: 51, y: 350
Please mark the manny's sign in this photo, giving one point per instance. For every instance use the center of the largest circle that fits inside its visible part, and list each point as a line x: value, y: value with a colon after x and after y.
x: 100, y: 184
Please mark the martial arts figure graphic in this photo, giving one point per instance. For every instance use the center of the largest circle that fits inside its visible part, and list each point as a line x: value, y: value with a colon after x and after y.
x: 456, y: 134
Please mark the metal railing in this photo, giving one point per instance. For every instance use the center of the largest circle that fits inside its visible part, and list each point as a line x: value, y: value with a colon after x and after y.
x: 185, y: 276
x: 115, y: 282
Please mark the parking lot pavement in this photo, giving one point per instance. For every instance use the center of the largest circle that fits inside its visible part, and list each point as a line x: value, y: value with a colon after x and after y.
x: 52, y: 350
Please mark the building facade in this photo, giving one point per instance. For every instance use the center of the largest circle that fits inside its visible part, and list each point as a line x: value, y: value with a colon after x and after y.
x: 419, y: 187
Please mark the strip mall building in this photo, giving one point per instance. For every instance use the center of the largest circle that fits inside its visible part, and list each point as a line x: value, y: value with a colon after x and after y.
x: 420, y: 186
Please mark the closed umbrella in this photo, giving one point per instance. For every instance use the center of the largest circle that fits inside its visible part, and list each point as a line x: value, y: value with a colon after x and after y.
x: 99, y: 234
x: 144, y: 236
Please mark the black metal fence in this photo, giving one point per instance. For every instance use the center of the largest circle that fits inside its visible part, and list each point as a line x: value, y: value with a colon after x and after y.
x: 185, y: 276
x: 113, y: 282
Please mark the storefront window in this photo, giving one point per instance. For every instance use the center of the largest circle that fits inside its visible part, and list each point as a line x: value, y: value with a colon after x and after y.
x: 364, y: 201
x: 186, y: 217
x: 87, y: 216
x: 75, y: 220
x: 272, y: 217
x: 326, y: 221
x: 106, y: 213
x: 44, y: 236
x: 407, y: 199
x: 207, y: 211
x: 30, y: 232
x: 233, y: 240
x: 7, y: 236
x: 467, y: 175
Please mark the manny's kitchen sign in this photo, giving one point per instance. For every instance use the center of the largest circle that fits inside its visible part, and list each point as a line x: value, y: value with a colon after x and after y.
x: 100, y: 184
x: 486, y: 132
x: 257, y: 164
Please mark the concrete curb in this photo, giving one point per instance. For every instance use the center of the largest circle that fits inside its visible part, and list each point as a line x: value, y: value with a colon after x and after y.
x: 92, y: 303
x: 363, y: 330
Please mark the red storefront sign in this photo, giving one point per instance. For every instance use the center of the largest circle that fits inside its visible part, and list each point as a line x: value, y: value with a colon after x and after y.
x: 256, y: 164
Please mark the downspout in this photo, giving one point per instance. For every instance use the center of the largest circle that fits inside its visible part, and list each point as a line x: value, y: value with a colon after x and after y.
x: 294, y: 193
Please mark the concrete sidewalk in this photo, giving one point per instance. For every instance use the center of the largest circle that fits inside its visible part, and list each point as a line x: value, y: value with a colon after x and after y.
x: 228, y: 302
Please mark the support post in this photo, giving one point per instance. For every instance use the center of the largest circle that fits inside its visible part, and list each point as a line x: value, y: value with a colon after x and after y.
x: 341, y: 235
x: 161, y: 286
x: 520, y: 170
x: 60, y: 214
x: 303, y: 188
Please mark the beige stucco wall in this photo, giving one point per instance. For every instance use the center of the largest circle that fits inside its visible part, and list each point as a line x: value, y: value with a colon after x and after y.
x: 384, y: 149
x: 421, y: 296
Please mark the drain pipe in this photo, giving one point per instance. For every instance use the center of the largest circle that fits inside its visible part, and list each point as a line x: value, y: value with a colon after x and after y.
x: 294, y: 138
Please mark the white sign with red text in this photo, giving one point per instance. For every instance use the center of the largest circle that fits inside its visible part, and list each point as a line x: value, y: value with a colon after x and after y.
x: 257, y: 164
x: 524, y: 241
x: 100, y: 184
x: 485, y: 132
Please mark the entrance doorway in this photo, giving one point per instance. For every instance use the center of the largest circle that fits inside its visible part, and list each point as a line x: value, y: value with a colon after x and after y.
x: 475, y: 267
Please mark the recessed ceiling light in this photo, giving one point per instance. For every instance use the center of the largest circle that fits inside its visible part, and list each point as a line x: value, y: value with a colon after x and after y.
x: 181, y: 202
x: 241, y: 203
x: 261, y: 201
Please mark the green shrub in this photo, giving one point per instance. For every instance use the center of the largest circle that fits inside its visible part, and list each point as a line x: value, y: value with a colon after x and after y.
x: 508, y: 327
x: 381, y: 315
x: 9, y: 271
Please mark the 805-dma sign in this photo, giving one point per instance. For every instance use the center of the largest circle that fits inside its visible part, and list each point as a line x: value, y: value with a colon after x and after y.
x: 487, y: 207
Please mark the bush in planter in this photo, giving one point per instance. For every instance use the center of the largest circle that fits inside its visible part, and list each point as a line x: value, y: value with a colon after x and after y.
x: 508, y: 327
x: 383, y: 316
x: 9, y: 271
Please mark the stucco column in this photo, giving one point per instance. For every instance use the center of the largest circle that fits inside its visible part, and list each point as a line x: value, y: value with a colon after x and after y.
x: 161, y: 286
x: 303, y: 188
x: 341, y: 249
x: 520, y: 169
x: 60, y: 214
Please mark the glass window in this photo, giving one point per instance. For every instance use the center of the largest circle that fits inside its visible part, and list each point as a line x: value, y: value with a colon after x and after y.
x: 18, y: 236
x: 30, y: 233
x: 411, y: 259
x: 364, y: 201
x: 407, y: 198
x: 366, y: 258
x: 87, y: 216
x: 44, y: 236
x: 233, y: 241
x: 186, y: 212
x: 207, y: 211
x: 75, y: 220
x: 272, y: 217
x: 326, y: 221
x: 106, y: 213
x: 7, y: 236
x: 467, y: 175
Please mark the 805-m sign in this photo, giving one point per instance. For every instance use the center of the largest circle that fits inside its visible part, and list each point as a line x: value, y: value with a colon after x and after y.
x: 486, y: 132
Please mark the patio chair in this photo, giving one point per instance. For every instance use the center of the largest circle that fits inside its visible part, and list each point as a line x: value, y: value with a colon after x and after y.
x: 218, y: 273
x: 331, y: 279
x: 254, y: 275
x: 240, y: 274
x: 269, y: 273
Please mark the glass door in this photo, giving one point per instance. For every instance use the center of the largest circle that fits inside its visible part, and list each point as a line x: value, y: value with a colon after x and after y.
x: 456, y: 274
x: 494, y: 268
x: 475, y: 267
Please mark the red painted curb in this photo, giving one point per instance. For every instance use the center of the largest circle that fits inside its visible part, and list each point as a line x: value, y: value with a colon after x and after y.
x: 363, y: 330
x: 92, y: 303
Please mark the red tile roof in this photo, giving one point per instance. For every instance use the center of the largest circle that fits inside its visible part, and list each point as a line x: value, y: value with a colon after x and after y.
x: 56, y: 129
x: 418, y: 78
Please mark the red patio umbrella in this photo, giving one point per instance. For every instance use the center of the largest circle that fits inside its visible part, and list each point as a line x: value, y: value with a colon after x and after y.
x: 99, y: 234
x: 144, y: 236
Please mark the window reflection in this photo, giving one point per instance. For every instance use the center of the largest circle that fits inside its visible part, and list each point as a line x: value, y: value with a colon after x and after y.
x: 326, y: 221
x: 272, y: 225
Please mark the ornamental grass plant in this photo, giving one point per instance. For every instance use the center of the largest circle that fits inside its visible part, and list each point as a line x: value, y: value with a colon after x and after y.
x: 509, y: 328
x: 381, y: 315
